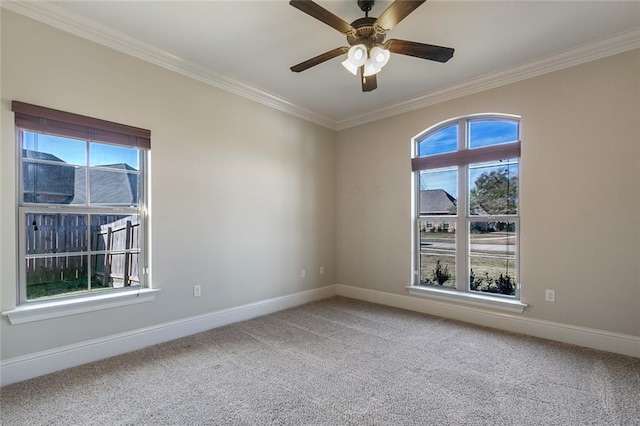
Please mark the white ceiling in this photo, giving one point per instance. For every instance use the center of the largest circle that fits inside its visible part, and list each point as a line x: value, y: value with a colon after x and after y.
x: 250, y: 45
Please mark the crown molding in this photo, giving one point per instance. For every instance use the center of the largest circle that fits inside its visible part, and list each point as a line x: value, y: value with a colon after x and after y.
x: 599, y: 49
x: 80, y: 26
x: 70, y: 22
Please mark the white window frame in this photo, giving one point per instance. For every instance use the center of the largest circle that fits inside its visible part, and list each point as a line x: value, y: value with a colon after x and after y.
x: 25, y: 208
x: 466, y: 156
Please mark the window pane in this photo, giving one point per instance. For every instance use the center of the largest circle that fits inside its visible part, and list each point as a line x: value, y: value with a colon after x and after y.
x: 493, y: 188
x: 437, y: 253
x: 115, y: 270
x: 53, y: 148
x: 113, y: 156
x: 115, y: 232
x: 438, y: 192
x: 492, y: 132
x: 50, y: 276
x: 119, y: 236
x: 53, y: 184
x: 114, y: 188
x: 492, y: 253
x: 55, y: 233
x: 440, y: 142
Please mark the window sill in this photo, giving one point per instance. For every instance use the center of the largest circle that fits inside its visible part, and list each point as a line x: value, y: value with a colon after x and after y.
x: 61, y: 308
x: 480, y: 300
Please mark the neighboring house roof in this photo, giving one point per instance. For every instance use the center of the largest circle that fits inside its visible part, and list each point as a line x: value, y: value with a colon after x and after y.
x: 112, y: 187
x: 66, y: 184
x: 437, y: 201
x: 47, y: 183
x: 440, y: 202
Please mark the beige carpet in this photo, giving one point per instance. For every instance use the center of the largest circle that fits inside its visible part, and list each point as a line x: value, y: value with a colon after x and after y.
x: 339, y: 362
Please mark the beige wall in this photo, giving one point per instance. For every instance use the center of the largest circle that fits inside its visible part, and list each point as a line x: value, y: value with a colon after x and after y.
x: 580, y: 193
x: 243, y: 196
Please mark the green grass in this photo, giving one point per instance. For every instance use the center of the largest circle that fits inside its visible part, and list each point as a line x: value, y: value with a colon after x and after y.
x: 56, y: 288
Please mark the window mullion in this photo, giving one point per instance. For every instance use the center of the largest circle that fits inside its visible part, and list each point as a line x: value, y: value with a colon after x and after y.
x: 415, y: 272
x: 22, y: 247
x: 462, y: 239
x: 89, y: 252
x: 143, y: 212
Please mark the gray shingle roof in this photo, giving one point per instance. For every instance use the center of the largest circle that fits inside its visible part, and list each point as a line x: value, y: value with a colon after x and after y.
x: 65, y: 184
x: 47, y: 183
x: 112, y: 187
x: 437, y: 201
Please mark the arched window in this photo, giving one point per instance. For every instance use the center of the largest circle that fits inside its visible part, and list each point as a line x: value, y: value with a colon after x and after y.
x: 467, y: 220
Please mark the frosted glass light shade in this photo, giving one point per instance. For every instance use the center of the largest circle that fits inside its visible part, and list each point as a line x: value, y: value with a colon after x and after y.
x: 370, y: 68
x: 357, y: 54
x: 379, y: 56
x: 356, y: 57
x: 353, y: 69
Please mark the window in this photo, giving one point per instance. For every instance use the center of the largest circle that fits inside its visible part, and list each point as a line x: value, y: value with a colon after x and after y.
x: 467, y: 211
x: 82, y: 204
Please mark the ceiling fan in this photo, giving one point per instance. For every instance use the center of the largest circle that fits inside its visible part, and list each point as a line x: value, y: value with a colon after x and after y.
x: 369, y: 52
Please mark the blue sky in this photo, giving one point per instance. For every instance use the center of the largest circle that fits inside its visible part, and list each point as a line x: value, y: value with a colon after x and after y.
x: 481, y: 133
x: 73, y: 151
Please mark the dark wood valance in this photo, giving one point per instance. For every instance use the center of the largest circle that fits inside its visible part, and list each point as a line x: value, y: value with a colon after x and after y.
x: 61, y: 123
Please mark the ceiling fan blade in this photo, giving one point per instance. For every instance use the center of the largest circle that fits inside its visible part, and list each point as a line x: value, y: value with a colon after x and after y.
x: 319, y: 59
x: 396, y: 12
x: 368, y: 83
x: 321, y: 14
x: 420, y: 50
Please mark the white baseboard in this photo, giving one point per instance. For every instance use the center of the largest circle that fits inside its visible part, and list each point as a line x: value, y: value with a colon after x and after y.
x: 582, y: 336
x: 37, y: 364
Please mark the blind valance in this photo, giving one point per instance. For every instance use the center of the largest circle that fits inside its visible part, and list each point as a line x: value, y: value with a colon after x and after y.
x: 467, y: 156
x: 61, y: 123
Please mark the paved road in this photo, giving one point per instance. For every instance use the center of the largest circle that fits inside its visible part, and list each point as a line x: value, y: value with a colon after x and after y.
x: 494, y: 248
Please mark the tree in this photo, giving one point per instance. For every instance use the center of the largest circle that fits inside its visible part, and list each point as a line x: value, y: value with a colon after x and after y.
x: 495, y: 192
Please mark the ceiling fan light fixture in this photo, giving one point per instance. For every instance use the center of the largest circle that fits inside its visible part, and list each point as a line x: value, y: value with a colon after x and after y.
x: 357, y: 54
x: 356, y: 57
x: 353, y: 69
x: 379, y: 56
x: 370, y: 68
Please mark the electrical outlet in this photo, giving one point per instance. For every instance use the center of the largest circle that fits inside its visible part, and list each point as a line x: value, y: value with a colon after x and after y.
x: 197, y: 291
x: 550, y: 295
x: 303, y: 273
x: 322, y: 270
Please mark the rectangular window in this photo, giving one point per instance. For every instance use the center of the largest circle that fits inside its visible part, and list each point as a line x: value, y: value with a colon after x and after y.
x: 467, y: 188
x: 82, y: 204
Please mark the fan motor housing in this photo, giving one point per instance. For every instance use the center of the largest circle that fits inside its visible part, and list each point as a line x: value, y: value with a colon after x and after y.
x: 365, y: 33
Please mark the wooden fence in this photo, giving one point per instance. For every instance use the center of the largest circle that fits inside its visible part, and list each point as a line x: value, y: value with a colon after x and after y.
x: 119, y: 239
x: 57, y: 248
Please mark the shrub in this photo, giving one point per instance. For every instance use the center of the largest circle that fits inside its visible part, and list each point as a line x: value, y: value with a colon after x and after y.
x: 441, y: 273
x: 504, y: 284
